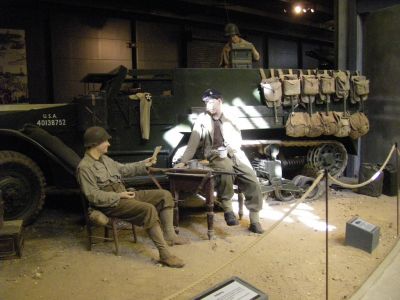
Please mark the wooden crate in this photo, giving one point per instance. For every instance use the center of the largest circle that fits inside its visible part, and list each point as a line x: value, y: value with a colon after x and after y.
x: 11, y: 239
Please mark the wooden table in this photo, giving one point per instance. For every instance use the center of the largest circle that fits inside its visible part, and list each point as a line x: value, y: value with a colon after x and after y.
x: 193, y: 181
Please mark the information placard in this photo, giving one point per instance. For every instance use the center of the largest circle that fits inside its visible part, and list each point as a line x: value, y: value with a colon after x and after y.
x: 232, y: 289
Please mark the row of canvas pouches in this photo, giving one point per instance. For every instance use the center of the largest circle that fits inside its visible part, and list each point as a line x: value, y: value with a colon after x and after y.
x: 289, y: 89
x: 339, y: 124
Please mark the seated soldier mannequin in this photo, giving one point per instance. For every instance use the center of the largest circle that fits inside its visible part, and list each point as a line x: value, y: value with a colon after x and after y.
x: 214, y: 130
x: 232, y: 32
x: 100, y: 179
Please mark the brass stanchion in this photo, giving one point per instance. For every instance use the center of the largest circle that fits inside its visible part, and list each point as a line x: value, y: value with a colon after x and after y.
x: 326, y: 235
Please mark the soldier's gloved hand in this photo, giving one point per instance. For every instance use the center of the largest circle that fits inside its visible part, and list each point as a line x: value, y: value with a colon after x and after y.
x: 180, y: 165
x: 126, y: 195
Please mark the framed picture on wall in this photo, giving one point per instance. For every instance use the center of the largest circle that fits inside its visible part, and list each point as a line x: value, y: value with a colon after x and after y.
x: 13, y: 68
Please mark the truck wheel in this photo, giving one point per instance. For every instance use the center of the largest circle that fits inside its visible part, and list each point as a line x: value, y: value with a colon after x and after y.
x: 23, y: 186
x: 283, y: 195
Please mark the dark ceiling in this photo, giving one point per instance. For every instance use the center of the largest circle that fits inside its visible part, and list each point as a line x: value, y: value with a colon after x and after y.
x: 274, y: 17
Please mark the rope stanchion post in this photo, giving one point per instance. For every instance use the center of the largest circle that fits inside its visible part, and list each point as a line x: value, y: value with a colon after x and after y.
x: 397, y: 187
x: 326, y: 235
x: 252, y: 244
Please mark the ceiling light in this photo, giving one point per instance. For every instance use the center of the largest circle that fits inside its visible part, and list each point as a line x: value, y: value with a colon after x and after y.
x: 297, y: 9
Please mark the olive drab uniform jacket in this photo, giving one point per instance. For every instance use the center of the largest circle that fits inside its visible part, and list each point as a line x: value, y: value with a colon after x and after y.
x: 225, y: 61
x: 101, y: 180
x: 201, y: 139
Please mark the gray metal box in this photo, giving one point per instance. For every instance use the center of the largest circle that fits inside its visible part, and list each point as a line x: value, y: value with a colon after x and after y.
x: 361, y: 234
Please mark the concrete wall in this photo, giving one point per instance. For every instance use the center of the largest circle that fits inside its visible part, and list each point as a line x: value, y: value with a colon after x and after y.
x: 157, y: 45
x: 82, y: 45
x: 282, y: 54
x: 382, y: 66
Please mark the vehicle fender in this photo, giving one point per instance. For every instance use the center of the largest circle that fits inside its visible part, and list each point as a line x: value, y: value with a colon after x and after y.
x: 14, y: 140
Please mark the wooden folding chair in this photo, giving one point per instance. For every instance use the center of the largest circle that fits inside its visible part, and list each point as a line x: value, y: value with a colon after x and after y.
x: 113, y: 224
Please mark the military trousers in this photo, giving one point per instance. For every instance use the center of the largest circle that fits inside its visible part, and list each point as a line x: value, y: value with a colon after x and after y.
x: 247, y: 182
x: 142, y: 209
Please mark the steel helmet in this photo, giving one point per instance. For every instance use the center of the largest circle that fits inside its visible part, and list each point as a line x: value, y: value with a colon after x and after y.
x: 95, y: 136
x: 231, y: 29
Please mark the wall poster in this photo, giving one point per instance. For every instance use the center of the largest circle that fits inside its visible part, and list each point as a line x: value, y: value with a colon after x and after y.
x: 13, y: 68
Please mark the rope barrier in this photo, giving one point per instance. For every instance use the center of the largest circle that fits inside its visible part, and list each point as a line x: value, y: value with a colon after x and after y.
x: 252, y: 244
x: 373, y: 177
x: 270, y: 229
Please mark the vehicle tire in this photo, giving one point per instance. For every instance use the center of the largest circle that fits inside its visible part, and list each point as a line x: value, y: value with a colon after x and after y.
x: 305, y: 182
x: 23, y: 186
x: 283, y: 195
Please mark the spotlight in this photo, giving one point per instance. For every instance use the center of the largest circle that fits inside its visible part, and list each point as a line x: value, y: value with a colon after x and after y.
x: 297, y: 9
x: 312, y: 10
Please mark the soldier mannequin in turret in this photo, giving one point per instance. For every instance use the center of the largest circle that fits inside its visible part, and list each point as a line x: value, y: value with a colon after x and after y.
x: 232, y: 32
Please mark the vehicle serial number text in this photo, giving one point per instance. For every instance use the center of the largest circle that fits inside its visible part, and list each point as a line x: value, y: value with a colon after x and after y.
x: 51, y: 120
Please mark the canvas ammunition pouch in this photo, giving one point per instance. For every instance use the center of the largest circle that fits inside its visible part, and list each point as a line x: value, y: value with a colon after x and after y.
x: 359, y: 88
x: 343, y: 124
x: 329, y: 123
x: 342, y: 85
x: 291, y: 87
x: 327, y: 86
x: 359, y: 125
x: 309, y: 87
x: 271, y: 88
x: 316, y: 125
x: 298, y: 124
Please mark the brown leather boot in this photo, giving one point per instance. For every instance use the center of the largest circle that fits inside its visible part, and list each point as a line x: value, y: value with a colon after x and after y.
x: 166, y: 217
x: 166, y: 258
x: 172, y: 261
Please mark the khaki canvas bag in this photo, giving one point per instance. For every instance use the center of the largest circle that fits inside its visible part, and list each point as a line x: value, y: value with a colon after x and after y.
x: 343, y: 124
x: 291, y: 88
x: 316, y: 126
x: 359, y: 125
x: 359, y: 88
x: 272, y: 89
x: 298, y: 124
x: 327, y: 87
x: 329, y: 123
x: 291, y: 84
x: 342, y: 85
x: 309, y: 87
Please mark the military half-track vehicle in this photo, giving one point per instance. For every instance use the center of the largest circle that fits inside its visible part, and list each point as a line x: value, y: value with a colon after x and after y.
x: 32, y: 163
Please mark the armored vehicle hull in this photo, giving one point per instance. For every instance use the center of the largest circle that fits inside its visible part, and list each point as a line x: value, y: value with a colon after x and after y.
x: 31, y: 164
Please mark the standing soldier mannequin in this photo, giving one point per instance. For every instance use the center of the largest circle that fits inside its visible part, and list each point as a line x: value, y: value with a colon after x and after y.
x: 215, y: 131
x: 232, y: 31
x: 100, y: 179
